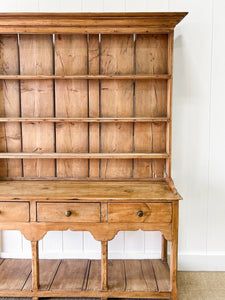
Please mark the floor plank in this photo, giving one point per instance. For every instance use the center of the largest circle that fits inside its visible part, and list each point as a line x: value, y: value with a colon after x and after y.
x: 14, y: 273
x: 77, y: 275
x: 134, y: 276
x: 48, y: 269
x: 94, y: 278
x: 148, y: 273
x: 116, y: 275
x: 70, y: 275
x: 162, y: 274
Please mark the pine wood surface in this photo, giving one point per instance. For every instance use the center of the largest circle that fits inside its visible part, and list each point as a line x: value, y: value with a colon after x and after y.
x: 85, y: 275
x: 89, y: 22
x: 14, y: 212
x: 85, y: 144
x: 82, y: 190
x: 80, y: 212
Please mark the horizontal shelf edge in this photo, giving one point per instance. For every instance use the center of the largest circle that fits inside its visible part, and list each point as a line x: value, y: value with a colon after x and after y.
x: 87, y: 77
x: 84, y: 120
x: 31, y: 155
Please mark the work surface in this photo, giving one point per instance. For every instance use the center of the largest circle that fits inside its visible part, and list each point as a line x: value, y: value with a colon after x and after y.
x: 83, y: 190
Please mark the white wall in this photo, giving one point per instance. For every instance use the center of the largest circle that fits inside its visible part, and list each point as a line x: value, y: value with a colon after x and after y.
x: 198, y: 139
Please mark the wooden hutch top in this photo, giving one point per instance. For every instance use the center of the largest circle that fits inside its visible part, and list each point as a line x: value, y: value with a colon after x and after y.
x: 85, y: 107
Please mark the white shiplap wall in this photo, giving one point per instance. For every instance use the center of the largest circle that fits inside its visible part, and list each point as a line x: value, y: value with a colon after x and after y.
x: 198, y: 139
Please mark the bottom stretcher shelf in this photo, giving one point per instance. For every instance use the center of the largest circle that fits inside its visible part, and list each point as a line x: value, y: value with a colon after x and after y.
x: 71, y: 277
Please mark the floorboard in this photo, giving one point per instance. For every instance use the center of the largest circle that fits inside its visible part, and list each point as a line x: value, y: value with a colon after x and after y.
x: 85, y: 275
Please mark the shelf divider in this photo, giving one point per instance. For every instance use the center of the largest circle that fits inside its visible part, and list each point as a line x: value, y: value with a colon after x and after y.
x: 83, y: 120
x: 55, y: 155
x: 85, y: 77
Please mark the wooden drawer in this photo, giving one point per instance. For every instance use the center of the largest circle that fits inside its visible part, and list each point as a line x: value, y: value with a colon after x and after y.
x: 68, y: 212
x: 14, y: 212
x: 139, y: 212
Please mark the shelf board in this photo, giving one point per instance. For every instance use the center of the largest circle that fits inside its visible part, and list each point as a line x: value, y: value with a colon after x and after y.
x: 50, y: 155
x: 83, y: 120
x: 89, y: 77
x: 147, y: 278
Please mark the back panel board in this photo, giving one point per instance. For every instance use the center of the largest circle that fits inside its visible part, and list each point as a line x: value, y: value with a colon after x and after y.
x: 115, y: 101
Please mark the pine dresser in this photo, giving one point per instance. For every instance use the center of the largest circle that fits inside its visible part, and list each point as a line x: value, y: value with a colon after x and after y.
x: 85, y: 145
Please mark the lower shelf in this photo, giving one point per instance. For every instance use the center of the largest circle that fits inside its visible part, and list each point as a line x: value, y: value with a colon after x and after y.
x: 149, y: 277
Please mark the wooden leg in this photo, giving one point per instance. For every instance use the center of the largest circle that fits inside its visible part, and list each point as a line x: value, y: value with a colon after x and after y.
x: 35, y: 267
x: 173, y: 254
x: 104, y: 266
x: 164, y: 249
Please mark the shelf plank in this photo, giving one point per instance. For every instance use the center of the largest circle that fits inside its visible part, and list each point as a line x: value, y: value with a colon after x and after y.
x: 70, y: 275
x: 56, y: 155
x: 162, y: 274
x: 48, y: 269
x: 13, y: 274
x: 84, y: 120
x: 94, y: 278
x: 89, y: 77
x: 115, y: 190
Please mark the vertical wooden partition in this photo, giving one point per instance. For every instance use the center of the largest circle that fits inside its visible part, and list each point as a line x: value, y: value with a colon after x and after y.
x: 71, y: 100
x: 36, y: 58
x: 117, y: 57
x: 10, y: 133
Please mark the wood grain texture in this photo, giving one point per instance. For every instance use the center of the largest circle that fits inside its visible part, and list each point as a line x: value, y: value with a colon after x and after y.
x: 36, y: 57
x: 99, y: 190
x: 128, y: 212
x: 14, y: 212
x: 35, y: 265
x: 117, y: 57
x: 88, y: 77
x: 47, y: 270
x: 138, y: 277
x: 84, y: 276
x: 89, y: 22
x: 85, y: 120
x: 154, y: 48
x: 123, y: 83
x: 78, y: 212
x: 94, y: 104
x: 116, y: 275
x: 71, y: 101
x: 162, y: 274
x: 94, y: 278
x: 174, y: 252
x: 150, y: 101
x: 149, y: 275
x: 14, y: 274
x: 69, y: 155
x: 10, y: 134
x: 104, y: 266
x: 70, y: 275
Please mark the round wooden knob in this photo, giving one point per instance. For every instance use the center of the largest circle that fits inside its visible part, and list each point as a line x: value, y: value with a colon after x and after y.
x: 68, y: 213
x: 140, y: 213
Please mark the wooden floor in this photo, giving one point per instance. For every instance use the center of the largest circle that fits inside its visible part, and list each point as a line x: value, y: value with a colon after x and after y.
x: 85, y: 275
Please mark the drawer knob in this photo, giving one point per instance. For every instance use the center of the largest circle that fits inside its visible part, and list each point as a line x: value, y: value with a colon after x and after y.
x: 68, y: 213
x: 140, y: 213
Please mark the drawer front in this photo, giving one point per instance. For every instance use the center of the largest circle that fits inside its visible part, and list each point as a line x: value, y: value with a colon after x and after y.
x: 68, y: 212
x: 14, y: 212
x: 139, y: 212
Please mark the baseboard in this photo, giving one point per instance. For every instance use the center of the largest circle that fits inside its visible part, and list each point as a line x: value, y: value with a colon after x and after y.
x: 202, y: 262
x: 186, y: 261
